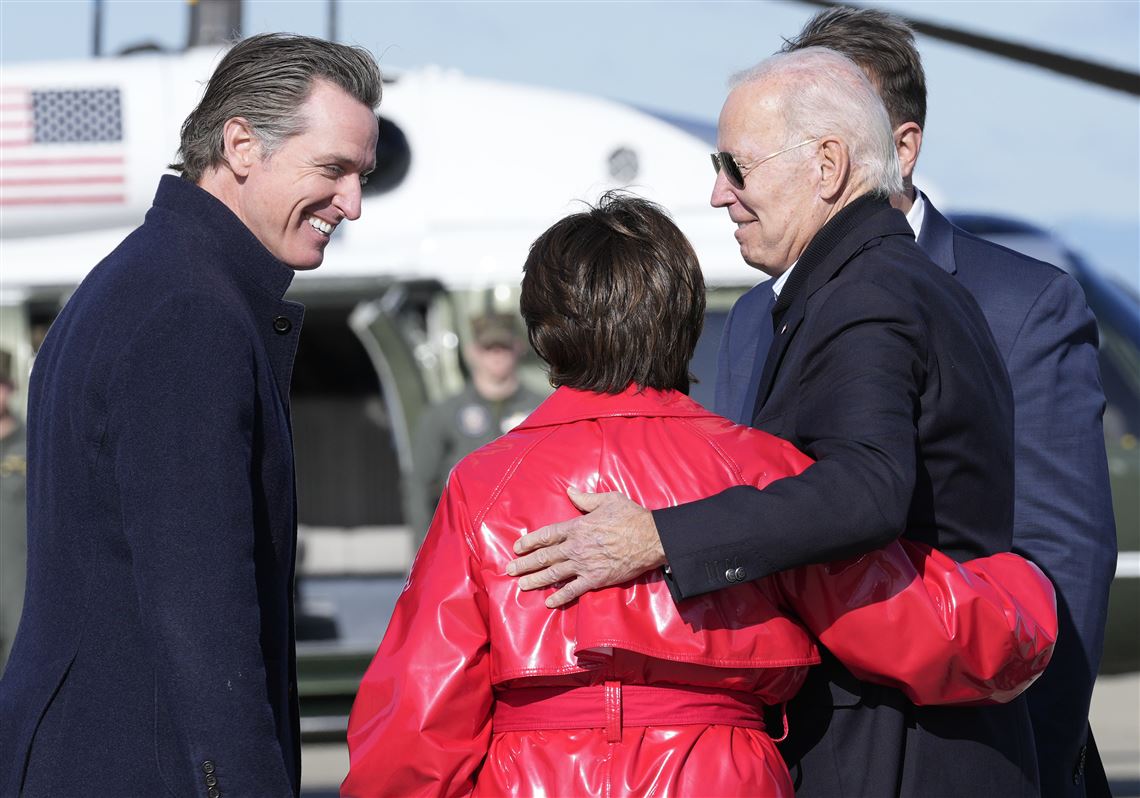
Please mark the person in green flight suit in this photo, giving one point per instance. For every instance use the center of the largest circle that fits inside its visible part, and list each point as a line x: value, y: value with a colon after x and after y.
x: 13, y: 513
x: 491, y: 404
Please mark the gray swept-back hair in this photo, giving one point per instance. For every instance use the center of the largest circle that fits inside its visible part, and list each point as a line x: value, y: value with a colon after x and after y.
x: 265, y: 79
x: 826, y: 93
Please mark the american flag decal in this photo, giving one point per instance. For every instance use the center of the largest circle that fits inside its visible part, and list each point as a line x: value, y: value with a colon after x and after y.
x: 73, y: 116
x: 61, y: 147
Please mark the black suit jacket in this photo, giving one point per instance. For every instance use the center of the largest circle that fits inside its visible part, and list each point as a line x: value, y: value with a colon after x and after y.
x: 883, y: 369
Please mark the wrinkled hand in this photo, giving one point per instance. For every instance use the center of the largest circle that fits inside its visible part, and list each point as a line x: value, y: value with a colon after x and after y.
x: 615, y: 541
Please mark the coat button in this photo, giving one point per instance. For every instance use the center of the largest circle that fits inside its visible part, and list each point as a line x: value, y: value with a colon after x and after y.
x: 730, y: 574
x: 208, y: 767
x: 1079, y: 770
x: 213, y: 792
x: 739, y: 574
x: 211, y: 780
x: 282, y: 325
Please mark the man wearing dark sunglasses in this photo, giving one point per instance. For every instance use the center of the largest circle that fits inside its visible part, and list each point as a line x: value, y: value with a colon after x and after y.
x: 1048, y: 338
x: 747, y: 333
x: 882, y: 368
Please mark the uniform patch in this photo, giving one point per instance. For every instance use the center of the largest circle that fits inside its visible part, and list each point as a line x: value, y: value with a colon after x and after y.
x: 473, y: 420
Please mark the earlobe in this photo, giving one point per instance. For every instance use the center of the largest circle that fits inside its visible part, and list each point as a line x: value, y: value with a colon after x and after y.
x: 908, y: 144
x: 239, y: 145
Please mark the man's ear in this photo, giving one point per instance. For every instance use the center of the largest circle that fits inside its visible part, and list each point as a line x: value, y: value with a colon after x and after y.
x: 239, y: 146
x: 908, y: 144
x: 834, y: 163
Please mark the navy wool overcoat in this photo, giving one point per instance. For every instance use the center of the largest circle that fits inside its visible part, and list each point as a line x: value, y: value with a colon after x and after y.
x: 155, y: 655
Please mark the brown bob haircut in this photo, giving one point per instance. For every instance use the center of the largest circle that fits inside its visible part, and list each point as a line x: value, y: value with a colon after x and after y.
x: 614, y: 295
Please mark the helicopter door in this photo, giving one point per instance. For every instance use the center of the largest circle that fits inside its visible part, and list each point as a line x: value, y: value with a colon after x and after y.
x: 377, y: 325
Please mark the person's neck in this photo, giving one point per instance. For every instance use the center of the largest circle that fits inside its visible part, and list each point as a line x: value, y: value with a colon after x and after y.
x: 495, y: 390
x: 904, y: 201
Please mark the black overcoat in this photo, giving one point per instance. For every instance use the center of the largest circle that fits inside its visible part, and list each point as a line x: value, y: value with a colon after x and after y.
x: 155, y: 655
x: 883, y: 369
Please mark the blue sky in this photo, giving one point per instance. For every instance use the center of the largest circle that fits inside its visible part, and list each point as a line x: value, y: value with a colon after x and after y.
x: 1000, y: 137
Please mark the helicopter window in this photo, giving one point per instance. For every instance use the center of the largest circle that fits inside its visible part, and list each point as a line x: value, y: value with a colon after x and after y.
x: 393, y: 159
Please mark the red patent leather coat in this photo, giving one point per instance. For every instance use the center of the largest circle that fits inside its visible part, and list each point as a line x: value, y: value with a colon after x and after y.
x: 479, y: 689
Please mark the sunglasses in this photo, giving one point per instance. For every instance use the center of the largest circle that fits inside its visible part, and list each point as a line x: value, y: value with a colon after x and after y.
x: 723, y: 161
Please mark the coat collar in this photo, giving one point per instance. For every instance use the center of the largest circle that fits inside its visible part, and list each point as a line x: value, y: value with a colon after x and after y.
x: 856, y: 226
x: 239, y: 254
x: 831, y: 237
x: 234, y: 253
x: 937, y: 238
x: 566, y: 405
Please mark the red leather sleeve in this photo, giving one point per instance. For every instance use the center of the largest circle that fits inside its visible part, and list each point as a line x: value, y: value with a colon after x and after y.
x: 421, y: 722
x: 943, y: 632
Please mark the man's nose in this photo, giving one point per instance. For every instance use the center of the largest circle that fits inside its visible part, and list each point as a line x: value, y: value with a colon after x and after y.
x: 722, y: 195
x: 348, y: 198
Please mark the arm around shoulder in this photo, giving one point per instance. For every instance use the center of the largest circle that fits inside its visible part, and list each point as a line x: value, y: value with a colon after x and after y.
x: 855, y: 393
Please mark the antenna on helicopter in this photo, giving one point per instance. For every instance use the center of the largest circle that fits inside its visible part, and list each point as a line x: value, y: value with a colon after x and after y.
x: 213, y: 22
x: 97, y: 29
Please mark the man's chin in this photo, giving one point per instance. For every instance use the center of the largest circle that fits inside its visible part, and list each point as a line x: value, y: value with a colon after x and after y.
x: 762, y: 267
x: 309, y: 261
x: 305, y: 267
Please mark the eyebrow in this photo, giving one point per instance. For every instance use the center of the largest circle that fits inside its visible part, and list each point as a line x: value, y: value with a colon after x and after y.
x: 344, y: 160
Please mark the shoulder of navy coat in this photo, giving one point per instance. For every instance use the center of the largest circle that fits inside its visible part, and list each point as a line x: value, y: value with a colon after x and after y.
x: 156, y: 652
x: 1063, y: 518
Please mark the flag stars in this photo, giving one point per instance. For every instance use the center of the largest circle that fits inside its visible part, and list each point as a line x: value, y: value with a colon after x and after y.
x: 77, y: 115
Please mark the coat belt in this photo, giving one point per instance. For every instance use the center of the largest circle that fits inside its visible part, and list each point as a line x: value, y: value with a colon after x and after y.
x: 613, y: 705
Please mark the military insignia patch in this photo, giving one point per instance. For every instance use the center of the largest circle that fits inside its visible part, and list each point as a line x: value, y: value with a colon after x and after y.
x: 474, y: 420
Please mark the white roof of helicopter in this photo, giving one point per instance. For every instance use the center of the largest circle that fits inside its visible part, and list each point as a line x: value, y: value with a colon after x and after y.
x: 492, y: 164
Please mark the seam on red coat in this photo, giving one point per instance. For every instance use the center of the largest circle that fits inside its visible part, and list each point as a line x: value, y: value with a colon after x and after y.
x: 508, y: 474
x: 737, y: 473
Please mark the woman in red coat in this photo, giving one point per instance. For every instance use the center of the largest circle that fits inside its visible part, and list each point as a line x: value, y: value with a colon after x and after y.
x: 480, y: 689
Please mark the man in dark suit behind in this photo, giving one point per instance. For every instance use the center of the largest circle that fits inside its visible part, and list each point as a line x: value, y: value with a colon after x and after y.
x: 155, y: 655
x: 1062, y: 514
x: 883, y: 370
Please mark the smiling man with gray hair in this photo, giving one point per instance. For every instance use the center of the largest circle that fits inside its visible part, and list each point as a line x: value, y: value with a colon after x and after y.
x: 1048, y: 337
x: 882, y: 368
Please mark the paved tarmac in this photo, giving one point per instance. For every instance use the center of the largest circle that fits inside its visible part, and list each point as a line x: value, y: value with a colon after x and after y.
x: 1116, y: 724
x: 1115, y: 721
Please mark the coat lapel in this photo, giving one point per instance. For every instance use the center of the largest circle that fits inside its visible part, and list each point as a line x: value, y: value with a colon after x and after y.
x: 937, y: 238
x: 781, y: 339
x: 836, y: 244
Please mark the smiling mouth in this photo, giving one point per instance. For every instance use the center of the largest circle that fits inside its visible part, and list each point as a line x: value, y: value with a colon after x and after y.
x: 320, y: 225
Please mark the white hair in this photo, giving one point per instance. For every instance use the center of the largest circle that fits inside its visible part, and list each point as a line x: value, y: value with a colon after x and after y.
x: 828, y: 94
